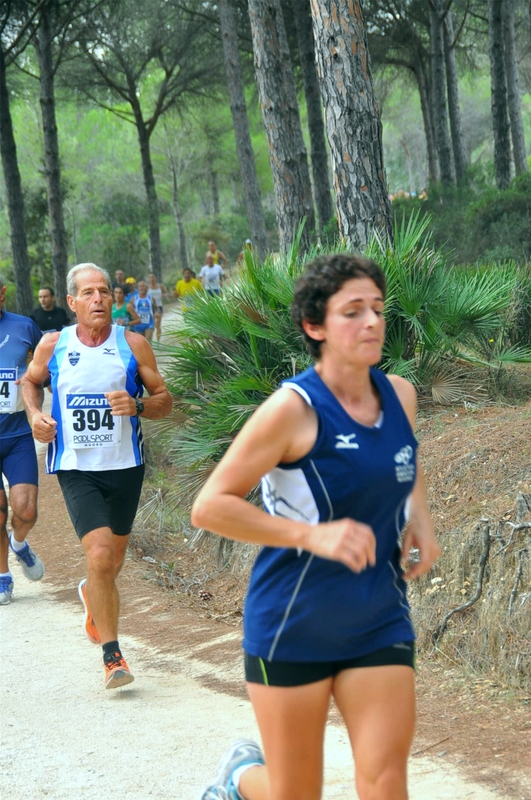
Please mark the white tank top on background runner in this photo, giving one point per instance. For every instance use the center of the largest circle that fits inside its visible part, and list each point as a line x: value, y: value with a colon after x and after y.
x: 156, y: 294
x: 89, y: 438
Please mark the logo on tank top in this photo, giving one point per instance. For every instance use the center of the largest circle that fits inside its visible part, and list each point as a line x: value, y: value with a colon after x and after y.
x: 344, y: 442
x: 108, y: 351
x: 5, y: 341
x: 405, y: 471
x: 74, y: 357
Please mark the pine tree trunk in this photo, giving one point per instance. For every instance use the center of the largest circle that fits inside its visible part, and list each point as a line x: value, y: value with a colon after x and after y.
x: 185, y: 264
x: 251, y: 187
x: 438, y: 94
x: 454, y: 110
x: 513, y: 89
x: 498, y: 81
x: 352, y: 120
x: 425, y: 105
x: 215, y: 191
x: 319, y: 155
x: 52, y: 165
x: 280, y: 112
x: 155, y: 252
x: 15, y: 199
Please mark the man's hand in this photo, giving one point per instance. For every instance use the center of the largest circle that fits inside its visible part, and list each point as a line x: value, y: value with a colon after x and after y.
x: 43, y: 427
x: 121, y: 403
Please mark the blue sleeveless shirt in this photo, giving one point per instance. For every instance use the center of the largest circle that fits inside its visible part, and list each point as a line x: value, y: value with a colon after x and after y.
x: 301, y: 607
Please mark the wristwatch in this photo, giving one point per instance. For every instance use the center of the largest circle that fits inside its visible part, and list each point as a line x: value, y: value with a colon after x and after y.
x: 139, y: 406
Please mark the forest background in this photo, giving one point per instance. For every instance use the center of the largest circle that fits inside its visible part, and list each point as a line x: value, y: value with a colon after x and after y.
x: 110, y: 76
x: 133, y: 132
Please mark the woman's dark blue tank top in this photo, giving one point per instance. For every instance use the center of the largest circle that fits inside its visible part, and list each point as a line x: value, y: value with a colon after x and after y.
x: 301, y: 607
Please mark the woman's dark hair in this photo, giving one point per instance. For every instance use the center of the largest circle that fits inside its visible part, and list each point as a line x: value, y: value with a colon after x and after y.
x: 324, y: 276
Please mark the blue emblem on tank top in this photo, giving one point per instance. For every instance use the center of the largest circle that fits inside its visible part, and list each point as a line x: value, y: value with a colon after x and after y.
x: 74, y: 357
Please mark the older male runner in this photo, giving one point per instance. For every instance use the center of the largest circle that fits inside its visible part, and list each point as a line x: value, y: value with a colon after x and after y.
x: 19, y: 337
x: 98, y: 371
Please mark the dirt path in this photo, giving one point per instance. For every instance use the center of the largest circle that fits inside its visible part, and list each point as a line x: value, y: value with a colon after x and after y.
x: 63, y: 736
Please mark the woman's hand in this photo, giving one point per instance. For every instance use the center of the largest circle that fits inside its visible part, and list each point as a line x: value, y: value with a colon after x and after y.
x: 428, y: 548
x: 345, y: 540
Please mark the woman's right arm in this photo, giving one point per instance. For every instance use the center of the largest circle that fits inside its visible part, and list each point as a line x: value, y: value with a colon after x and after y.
x: 282, y: 429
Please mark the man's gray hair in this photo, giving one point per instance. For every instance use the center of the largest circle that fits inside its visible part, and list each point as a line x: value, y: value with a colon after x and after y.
x: 71, y: 278
x: 2, y: 284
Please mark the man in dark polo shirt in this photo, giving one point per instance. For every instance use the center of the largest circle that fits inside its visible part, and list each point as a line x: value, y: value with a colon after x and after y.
x: 48, y: 316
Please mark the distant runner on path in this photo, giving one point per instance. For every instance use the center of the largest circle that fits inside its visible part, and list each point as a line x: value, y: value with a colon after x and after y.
x: 326, y: 614
x: 144, y: 306
x: 186, y: 288
x: 218, y: 257
x: 157, y: 291
x: 95, y: 446
x: 212, y: 276
x: 19, y: 336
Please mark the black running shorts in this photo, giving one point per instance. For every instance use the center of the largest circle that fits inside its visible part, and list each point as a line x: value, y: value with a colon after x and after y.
x: 291, y: 673
x: 106, y: 499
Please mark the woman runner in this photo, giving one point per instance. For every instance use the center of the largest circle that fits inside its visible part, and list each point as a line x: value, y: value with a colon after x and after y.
x: 123, y: 313
x: 157, y: 292
x: 326, y: 613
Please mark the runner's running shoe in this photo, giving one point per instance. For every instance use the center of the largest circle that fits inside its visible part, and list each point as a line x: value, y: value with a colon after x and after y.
x: 239, y: 754
x: 91, y: 632
x: 6, y: 590
x: 116, y: 671
x: 32, y: 566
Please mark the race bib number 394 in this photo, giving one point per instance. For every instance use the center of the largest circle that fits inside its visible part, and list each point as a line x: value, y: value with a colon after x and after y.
x: 90, y: 423
x: 8, y: 390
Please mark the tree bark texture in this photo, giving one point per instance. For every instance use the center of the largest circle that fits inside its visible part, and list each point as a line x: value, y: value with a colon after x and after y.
x: 513, y: 89
x: 15, y: 199
x: 280, y: 112
x: 498, y: 81
x: 454, y: 110
x: 316, y: 129
x: 438, y: 94
x: 238, y: 107
x: 352, y: 120
x: 52, y: 165
x: 185, y: 264
x: 214, y: 188
x: 155, y: 250
x: 425, y: 105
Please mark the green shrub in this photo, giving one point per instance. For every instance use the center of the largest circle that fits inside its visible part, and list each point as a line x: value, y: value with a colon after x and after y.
x: 476, y: 222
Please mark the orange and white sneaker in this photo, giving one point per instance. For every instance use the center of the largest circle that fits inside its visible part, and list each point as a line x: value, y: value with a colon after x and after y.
x: 91, y: 632
x: 117, y: 672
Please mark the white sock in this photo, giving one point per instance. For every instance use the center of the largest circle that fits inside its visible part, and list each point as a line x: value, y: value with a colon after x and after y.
x: 6, y: 575
x: 16, y: 545
x: 238, y: 772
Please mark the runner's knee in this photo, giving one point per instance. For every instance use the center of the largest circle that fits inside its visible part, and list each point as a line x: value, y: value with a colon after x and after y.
x: 387, y: 783
x: 25, y: 508
x: 101, y: 558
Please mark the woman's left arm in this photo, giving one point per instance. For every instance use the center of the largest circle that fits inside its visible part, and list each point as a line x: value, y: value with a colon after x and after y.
x: 419, y: 531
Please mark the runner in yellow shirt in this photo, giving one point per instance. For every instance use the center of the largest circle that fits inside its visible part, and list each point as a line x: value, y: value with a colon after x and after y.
x: 186, y: 288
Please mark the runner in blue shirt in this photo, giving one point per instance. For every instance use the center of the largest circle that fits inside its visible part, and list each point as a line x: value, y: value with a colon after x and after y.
x: 19, y: 337
x: 145, y: 307
x: 326, y: 613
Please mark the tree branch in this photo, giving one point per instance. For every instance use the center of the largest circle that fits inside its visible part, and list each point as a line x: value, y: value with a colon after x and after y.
x: 438, y: 632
